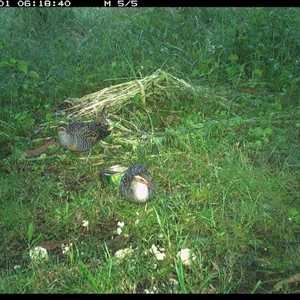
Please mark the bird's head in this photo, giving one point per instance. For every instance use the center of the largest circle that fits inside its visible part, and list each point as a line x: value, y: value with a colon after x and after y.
x: 62, y: 129
x: 145, y: 180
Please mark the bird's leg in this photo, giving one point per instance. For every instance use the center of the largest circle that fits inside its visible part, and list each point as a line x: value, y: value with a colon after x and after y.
x: 106, y: 151
x: 90, y: 152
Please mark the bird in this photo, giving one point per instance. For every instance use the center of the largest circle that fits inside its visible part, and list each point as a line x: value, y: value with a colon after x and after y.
x: 136, y: 185
x: 82, y: 136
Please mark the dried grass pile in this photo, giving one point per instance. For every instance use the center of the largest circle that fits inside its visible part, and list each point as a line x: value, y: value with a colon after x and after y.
x: 160, y: 85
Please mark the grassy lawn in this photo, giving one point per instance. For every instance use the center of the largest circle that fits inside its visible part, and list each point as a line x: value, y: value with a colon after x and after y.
x: 222, y: 147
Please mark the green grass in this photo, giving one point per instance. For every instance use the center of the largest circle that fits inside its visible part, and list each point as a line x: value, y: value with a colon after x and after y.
x: 226, y: 164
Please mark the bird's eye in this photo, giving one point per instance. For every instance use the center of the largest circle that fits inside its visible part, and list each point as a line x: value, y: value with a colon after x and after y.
x: 141, y: 179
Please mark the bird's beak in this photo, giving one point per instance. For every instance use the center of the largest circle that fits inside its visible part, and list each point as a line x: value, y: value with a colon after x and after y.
x: 150, y: 186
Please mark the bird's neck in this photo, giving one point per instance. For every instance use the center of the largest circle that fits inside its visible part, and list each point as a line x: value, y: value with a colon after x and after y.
x: 64, y: 138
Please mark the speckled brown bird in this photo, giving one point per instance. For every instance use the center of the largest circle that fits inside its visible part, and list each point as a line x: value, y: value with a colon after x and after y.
x: 82, y: 136
x: 136, y: 185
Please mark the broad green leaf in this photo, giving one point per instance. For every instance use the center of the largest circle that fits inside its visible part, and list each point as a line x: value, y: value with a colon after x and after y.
x: 4, y: 64
x: 233, y: 57
x: 268, y: 130
x: 12, y: 60
x: 258, y: 71
x: 33, y: 74
x: 22, y: 65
